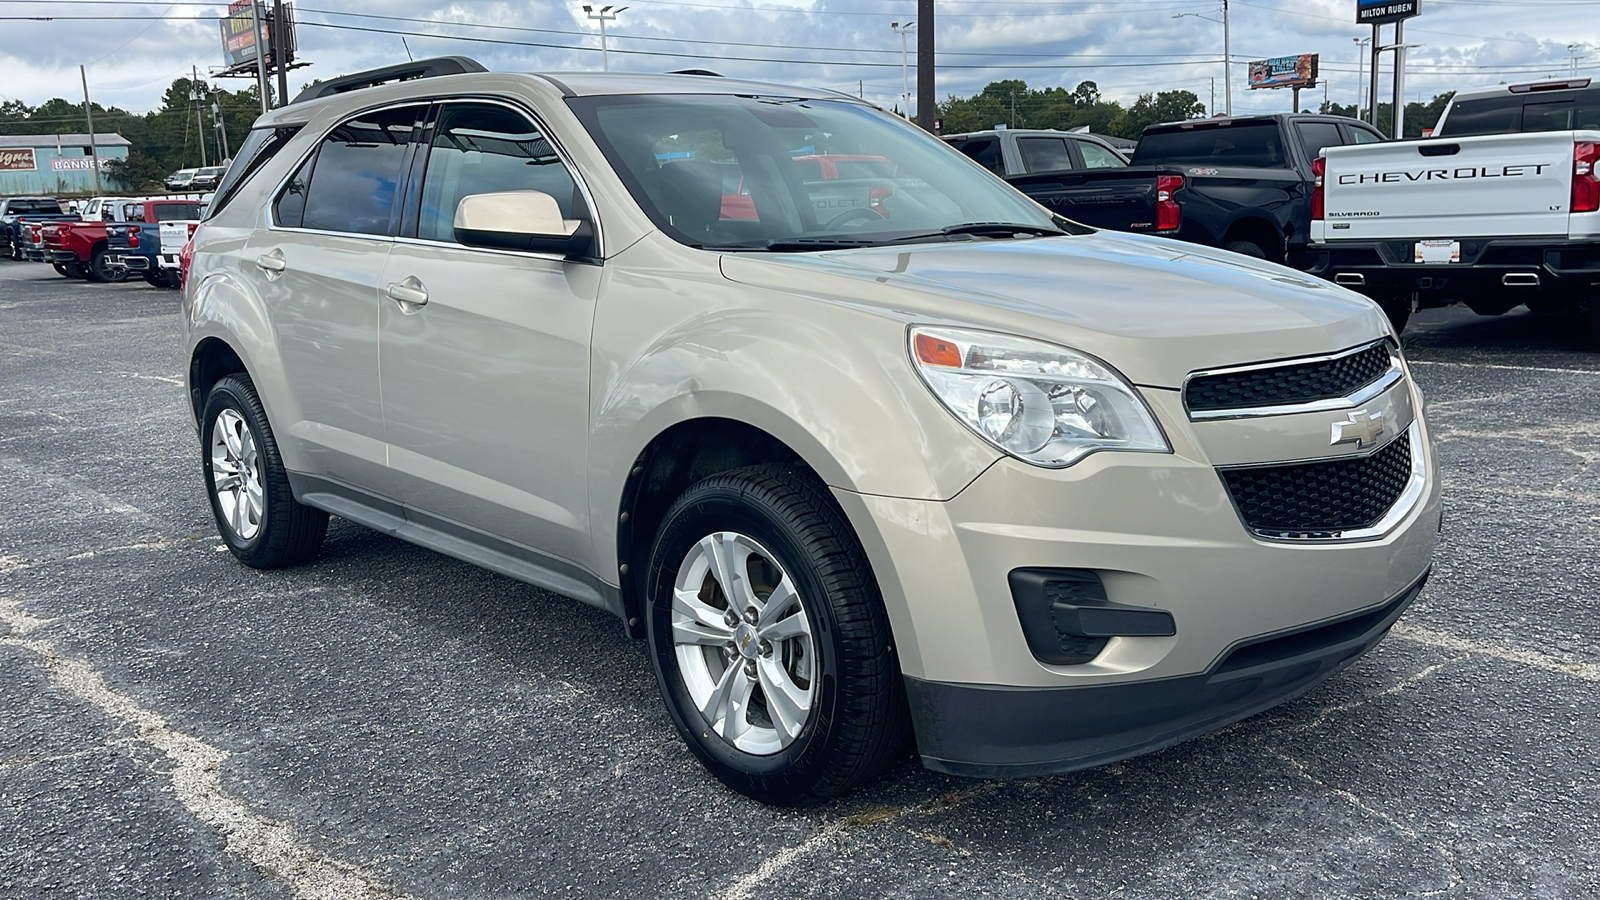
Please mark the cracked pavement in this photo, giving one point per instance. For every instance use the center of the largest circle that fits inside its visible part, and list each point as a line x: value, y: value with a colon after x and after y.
x: 387, y: 722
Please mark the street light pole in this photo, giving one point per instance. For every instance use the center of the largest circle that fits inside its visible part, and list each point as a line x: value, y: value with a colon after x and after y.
x: 603, y: 15
x: 904, y: 29
x: 257, y: 20
x: 1227, y: 58
x: 1361, y: 72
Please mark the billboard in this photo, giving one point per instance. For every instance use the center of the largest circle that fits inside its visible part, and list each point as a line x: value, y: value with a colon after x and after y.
x: 17, y: 161
x: 1284, y: 72
x: 239, y: 38
x: 1376, y: 12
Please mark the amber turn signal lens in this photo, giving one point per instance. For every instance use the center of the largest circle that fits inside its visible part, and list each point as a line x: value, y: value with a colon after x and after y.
x: 932, y: 351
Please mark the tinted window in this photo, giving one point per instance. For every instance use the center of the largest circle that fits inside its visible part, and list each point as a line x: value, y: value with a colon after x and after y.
x: 44, y: 207
x: 1045, y: 154
x: 485, y: 150
x: 1098, y: 157
x: 1317, y: 135
x: 1363, y: 136
x: 1251, y: 145
x: 352, y: 185
x: 176, y: 212
x: 1489, y: 115
x: 985, y: 152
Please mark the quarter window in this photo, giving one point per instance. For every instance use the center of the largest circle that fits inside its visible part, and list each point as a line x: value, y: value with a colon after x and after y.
x: 350, y: 184
x: 485, y: 149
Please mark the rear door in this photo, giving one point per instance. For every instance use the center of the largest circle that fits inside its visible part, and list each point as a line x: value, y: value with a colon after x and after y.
x: 486, y: 380
x: 1502, y: 185
x: 317, y: 268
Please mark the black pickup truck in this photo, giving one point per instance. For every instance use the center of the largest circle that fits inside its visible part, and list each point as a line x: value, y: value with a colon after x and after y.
x: 1240, y: 183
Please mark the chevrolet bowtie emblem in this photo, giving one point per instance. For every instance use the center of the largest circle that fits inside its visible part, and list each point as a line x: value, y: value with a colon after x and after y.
x: 1363, y: 429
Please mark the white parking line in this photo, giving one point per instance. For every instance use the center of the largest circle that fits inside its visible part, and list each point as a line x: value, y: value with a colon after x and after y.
x: 1466, y: 365
x: 196, y: 776
x: 1446, y: 641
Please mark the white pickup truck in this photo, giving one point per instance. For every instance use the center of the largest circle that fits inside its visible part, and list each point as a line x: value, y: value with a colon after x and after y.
x: 1499, y: 207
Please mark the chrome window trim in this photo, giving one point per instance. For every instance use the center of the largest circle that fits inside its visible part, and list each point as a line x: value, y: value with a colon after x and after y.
x: 1402, y: 507
x: 1394, y: 374
x: 539, y: 123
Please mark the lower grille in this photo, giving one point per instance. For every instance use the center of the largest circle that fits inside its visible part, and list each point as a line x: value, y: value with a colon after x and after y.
x: 1321, y: 499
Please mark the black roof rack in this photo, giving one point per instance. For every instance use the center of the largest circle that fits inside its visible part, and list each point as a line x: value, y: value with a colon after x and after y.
x: 422, y: 68
x: 705, y: 72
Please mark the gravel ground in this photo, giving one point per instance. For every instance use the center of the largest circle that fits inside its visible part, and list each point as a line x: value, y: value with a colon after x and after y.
x: 388, y: 722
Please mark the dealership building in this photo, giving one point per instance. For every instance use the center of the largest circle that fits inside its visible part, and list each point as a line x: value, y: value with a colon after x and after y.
x: 54, y: 164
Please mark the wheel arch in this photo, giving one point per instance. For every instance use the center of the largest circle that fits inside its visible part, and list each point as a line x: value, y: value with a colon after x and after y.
x: 1258, y: 230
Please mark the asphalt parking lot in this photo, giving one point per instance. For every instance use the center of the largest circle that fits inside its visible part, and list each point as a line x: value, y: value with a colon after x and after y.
x: 388, y: 722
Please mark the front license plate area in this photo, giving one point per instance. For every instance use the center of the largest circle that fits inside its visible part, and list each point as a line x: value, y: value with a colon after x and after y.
x: 1437, y: 252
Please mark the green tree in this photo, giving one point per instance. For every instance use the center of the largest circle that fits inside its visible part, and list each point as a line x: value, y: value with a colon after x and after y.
x: 1153, y: 109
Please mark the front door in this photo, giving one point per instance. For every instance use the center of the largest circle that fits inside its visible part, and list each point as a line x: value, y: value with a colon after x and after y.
x: 485, y: 354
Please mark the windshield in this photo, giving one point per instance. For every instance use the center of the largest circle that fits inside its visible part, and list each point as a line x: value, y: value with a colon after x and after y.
x: 740, y: 172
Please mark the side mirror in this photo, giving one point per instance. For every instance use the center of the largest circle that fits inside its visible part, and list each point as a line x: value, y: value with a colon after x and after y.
x: 520, y: 220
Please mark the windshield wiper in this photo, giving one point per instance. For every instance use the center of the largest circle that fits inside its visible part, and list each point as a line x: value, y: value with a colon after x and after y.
x: 1000, y: 229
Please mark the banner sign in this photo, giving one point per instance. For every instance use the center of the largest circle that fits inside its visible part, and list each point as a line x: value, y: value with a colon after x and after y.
x: 77, y: 164
x: 239, y: 37
x: 1376, y: 12
x: 17, y: 161
x: 1284, y: 72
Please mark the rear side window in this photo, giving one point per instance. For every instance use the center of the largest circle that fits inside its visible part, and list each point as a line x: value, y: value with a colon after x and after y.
x: 353, y: 178
x: 1252, y: 145
x: 1363, y: 136
x: 486, y: 149
x: 1045, y: 154
x: 261, y: 145
x: 983, y: 151
x: 1317, y: 135
x: 1098, y: 157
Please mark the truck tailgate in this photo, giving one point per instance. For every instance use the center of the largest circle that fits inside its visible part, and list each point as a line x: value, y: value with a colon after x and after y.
x: 1501, y: 184
x: 1120, y: 199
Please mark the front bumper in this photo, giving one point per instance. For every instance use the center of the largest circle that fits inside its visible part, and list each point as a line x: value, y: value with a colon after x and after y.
x: 1159, y: 532
x: 1499, y: 267
x: 994, y: 732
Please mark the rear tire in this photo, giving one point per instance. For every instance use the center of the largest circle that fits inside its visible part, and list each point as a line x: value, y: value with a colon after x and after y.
x: 257, y: 515
x: 1245, y: 248
x: 801, y: 689
x: 63, y: 271
x: 101, y: 269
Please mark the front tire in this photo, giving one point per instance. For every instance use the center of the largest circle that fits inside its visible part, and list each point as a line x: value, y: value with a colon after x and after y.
x: 769, y: 638
x: 257, y: 515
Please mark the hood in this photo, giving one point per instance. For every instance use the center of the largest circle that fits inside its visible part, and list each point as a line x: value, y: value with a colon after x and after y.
x: 1154, y: 308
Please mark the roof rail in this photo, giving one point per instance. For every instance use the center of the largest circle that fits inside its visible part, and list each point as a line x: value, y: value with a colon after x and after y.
x: 705, y: 72
x: 422, y: 68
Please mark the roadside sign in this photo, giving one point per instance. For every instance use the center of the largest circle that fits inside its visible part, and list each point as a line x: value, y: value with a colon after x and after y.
x: 1377, y: 12
x: 239, y: 37
x: 17, y: 161
x: 1284, y: 72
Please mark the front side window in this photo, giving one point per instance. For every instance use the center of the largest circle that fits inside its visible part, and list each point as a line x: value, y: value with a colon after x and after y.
x: 485, y: 149
x: 1045, y: 154
x: 349, y: 185
x: 754, y: 173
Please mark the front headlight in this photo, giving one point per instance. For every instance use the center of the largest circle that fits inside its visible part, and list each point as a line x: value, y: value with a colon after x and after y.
x: 1039, y: 402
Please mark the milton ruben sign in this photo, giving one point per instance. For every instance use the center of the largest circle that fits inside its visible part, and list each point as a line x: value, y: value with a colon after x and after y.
x: 1377, y: 12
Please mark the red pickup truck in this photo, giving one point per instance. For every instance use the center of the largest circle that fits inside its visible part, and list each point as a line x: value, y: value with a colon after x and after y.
x: 78, y: 249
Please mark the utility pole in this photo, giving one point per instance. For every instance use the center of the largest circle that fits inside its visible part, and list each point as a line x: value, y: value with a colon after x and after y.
x: 280, y: 50
x: 1361, y: 72
x: 904, y: 29
x: 603, y: 15
x: 221, y: 126
x: 261, y: 57
x: 94, y: 146
x: 927, y: 106
x: 1212, y: 108
x: 1572, y: 51
x: 198, y: 98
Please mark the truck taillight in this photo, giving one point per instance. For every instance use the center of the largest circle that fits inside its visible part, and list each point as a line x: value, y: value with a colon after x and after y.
x: 1319, y: 167
x: 185, y: 256
x: 133, y: 237
x: 1168, y: 214
x: 1585, y: 183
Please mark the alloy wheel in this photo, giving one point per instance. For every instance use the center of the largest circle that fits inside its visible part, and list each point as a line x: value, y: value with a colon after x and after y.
x: 236, y: 475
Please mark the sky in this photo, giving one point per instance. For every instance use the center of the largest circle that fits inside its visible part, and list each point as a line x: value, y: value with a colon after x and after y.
x: 134, y: 50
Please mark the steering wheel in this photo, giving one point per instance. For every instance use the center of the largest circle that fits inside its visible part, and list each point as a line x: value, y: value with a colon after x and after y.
x: 855, y: 212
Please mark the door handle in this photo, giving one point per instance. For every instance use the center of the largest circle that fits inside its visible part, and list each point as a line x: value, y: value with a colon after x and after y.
x: 272, y: 263
x: 409, y: 293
